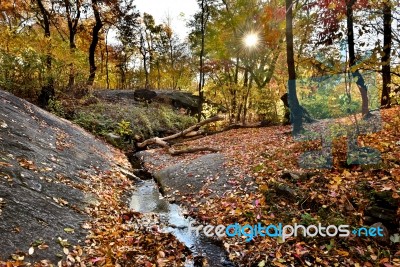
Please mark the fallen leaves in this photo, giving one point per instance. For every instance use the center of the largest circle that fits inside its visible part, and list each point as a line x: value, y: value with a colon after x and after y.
x: 69, y: 230
x: 116, y: 238
x: 27, y: 164
x: 5, y: 164
x: 60, y: 201
x: 341, y: 193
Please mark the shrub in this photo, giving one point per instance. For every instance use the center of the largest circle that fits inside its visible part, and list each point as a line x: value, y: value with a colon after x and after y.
x: 56, y: 107
x: 129, y: 120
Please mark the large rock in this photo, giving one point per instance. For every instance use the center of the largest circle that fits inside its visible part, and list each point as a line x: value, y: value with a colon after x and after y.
x: 179, y: 99
x: 144, y: 95
x: 206, y: 175
x: 176, y: 99
x: 42, y: 164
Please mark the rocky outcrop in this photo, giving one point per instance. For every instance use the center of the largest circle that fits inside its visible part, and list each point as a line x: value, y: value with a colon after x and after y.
x: 174, y: 98
x: 44, y: 162
x: 204, y: 175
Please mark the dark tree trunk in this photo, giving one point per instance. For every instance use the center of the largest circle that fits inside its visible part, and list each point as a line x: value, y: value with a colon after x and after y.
x: 47, y: 91
x: 248, y: 85
x: 95, y: 39
x: 295, y: 110
x: 107, y: 60
x: 144, y: 56
x: 387, y: 49
x: 352, y: 57
x: 72, y: 28
x: 202, y: 52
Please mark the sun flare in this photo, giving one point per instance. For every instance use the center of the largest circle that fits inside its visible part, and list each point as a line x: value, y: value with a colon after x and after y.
x: 251, y: 39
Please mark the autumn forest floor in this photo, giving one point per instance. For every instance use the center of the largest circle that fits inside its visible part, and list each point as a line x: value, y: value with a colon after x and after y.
x: 354, y: 195
x: 285, y: 193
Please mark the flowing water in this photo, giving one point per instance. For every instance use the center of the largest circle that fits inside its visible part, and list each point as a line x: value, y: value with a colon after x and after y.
x: 147, y: 199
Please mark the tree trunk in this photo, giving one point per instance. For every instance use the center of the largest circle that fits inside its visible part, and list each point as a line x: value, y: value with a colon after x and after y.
x: 47, y: 91
x: 387, y: 47
x: 107, y: 60
x: 175, y: 152
x: 202, y: 52
x: 295, y: 110
x: 162, y: 141
x: 144, y: 56
x: 72, y: 28
x: 246, y: 99
x: 352, y: 58
x: 95, y: 39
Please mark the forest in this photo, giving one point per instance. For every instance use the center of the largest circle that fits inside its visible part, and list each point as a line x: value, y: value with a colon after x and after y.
x: 267, y: 111
x: 60, y: 49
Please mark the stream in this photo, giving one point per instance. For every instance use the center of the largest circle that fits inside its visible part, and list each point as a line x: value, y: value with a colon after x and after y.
x: 147, y: 199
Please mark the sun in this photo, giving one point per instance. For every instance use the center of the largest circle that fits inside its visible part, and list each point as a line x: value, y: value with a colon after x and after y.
x: 251, y: 39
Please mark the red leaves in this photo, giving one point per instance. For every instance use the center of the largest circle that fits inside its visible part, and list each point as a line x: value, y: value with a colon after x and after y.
x: 330, y: 13
x: 265, y: 154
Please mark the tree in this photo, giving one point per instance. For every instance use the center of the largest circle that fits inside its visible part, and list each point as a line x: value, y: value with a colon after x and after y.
x: 47, y: 91
x: 73, y: 14
x: 127, y: 24
x: 149, y: 35
x: 352, y: 57
x: 387, y: 50
x: 95, y: 39
x: 295, y: 111
x: 204, y: 15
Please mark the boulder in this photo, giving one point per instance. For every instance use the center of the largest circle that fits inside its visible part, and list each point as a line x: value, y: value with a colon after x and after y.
x: 43, y: 162
x: 205, y: 173
x: 144, y: 95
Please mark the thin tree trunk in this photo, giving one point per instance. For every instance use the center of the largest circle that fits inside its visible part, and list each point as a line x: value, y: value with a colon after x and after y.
x: 47, y: 91
x: 295, y: 110
x: 171, y: 55
x: 95, y: 39
x: 202, y: 51
x: 72, y: 28
x: 107, y: 59
x: 387, y: 49
x: 352, y: 57
x: 246, y: 99
x: 144, y: 55
x: 159, y: 75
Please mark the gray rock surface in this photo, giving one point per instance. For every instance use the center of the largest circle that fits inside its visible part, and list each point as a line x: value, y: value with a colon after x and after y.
x: 176, y: 99
x: 42, y: 159
x: 196, y: 176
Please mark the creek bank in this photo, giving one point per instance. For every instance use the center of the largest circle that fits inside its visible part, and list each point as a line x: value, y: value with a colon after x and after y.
x: 201, y: 176
x: 176, y: 185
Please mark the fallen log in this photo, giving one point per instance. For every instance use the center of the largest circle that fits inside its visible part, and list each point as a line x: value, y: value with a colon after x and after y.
x: 156, y: 140
x: 174, y: 152
x: 162, y: 141
x: 194, y: 133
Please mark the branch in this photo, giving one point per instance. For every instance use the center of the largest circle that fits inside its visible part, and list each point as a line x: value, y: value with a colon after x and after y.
x: 155, y: 140
x: 161, y: 141
x: 174, y: 152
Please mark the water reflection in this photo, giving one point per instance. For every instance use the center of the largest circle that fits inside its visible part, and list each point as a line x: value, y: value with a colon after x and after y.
x: 147, y: 199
